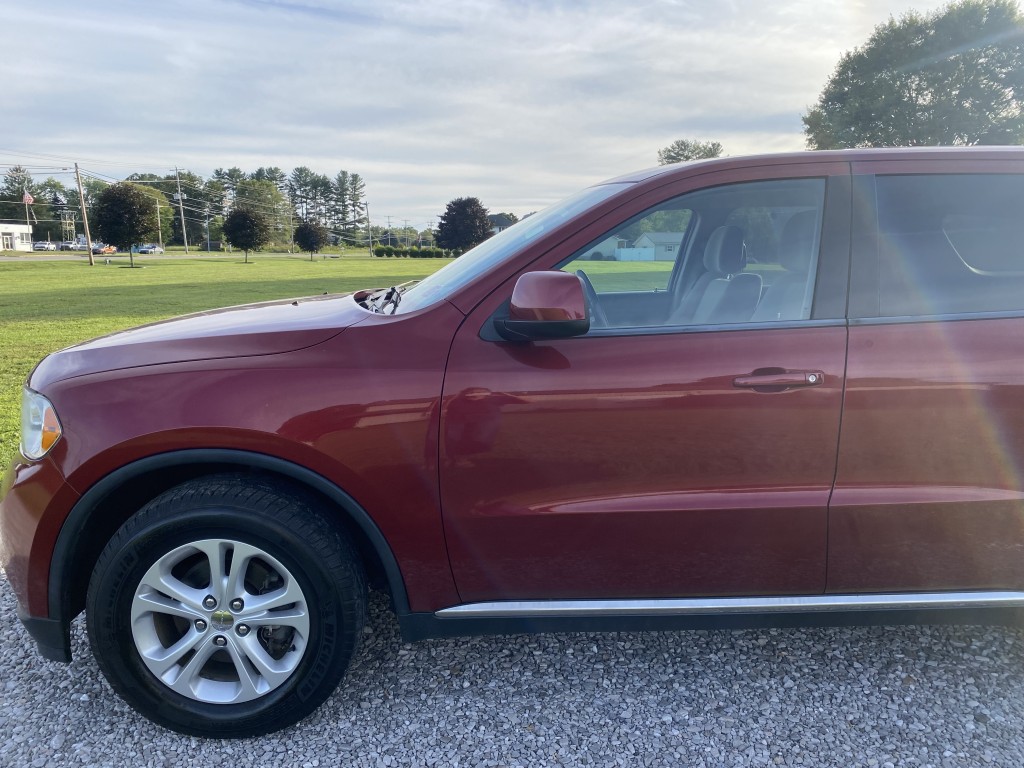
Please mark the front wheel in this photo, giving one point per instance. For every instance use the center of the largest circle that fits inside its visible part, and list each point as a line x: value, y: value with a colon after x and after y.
x: 226, y: 607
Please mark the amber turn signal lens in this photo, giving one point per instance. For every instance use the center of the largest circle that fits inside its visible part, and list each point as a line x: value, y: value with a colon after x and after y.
x: 40, y: 427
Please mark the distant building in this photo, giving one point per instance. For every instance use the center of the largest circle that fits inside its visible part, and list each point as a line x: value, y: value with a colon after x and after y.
x: 15, y: 237
x: 664, y: 244
x: 500, y: 221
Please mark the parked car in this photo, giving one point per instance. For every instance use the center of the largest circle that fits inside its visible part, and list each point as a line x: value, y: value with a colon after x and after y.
x: 67, y: 245
x: 98, y: 248
x: 44, y: 246
x: 811, y: 414
x: 150, y: 248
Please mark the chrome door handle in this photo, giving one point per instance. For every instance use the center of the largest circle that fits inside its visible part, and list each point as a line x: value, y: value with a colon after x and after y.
x: 779, y: 380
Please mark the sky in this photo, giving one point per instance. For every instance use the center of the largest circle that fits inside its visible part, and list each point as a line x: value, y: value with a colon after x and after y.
x: 518, y: 103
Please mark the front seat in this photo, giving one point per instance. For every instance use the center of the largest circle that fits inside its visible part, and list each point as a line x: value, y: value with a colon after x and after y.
x: 724, y: 293
x: 784, y: 298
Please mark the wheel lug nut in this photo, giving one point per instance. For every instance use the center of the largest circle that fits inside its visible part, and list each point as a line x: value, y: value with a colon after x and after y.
x: 200, y: 625
x: 220, y: 641
x: 209, y: 602
x: 237, y: 605
x: 242, y: 630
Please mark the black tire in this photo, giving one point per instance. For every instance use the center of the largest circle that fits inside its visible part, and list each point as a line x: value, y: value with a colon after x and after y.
x: 295, y: 545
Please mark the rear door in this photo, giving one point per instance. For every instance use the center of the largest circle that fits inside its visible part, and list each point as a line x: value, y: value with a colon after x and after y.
x: 682, y: 447
x: 929, y: 491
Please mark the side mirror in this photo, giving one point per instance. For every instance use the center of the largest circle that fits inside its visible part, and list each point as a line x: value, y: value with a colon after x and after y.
x: 545, y: 305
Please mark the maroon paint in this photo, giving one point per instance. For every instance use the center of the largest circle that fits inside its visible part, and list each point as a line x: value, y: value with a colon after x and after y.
x: 632, y: 467
x: 35, y: 501
x: 930, y: 493
x: 359, y: 409
x: 548, y: 296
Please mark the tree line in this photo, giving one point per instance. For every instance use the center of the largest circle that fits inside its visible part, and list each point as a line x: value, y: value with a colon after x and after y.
x: 337, y: 204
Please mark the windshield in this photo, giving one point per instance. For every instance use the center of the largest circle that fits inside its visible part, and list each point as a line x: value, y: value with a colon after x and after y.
x: 496, y: 249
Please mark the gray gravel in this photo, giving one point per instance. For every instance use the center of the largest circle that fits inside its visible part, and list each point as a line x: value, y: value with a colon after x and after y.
x: 923, y: 696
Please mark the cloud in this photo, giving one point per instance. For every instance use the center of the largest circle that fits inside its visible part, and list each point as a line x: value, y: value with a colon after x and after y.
x: 518, y: 103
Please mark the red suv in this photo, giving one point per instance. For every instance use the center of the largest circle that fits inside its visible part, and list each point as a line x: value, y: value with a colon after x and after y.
x: 726, y: 393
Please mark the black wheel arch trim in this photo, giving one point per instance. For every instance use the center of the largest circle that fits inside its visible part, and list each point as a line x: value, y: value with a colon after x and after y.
x: 77, y: 519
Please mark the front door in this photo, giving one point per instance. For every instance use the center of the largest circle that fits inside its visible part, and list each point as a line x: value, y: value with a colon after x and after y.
x: 686, y: 445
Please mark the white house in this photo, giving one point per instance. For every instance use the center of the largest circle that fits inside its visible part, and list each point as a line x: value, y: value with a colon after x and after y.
x: 15, y: 237
x: 500, y: 222
x: 664, y: 244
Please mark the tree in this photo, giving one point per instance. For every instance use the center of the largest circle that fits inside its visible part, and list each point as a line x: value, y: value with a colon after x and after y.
x: 311, y: 236
x: 157, y: 199
x: 230, y: 178
x: 300, y: 189
x: 688, y: 149
x: 260, y: 195
x: 125, y: 216
x: 272, y: 174
x: 247, y: 228
x: 198, y: 196
x: 955, y: 76
x: 463, y: 225
x: 341, y: 203
x: 17, y: 181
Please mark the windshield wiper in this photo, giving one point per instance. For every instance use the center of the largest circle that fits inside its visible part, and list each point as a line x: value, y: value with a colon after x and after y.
x: 391, y: 297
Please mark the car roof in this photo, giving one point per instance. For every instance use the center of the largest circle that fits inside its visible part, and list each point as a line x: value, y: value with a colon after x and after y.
x: 824, y: 155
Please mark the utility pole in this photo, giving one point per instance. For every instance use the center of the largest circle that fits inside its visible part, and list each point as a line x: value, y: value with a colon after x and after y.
x: 391, y: 235
x: 181, y: 208
x: 405, y: 232
x: 207, y: 229
x: 85, y: 217
x: 369, y: 235
x: 159, y: 226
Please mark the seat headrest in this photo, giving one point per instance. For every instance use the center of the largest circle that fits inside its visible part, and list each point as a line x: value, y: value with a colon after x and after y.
x: 797, y: 242
x: 725, y: 253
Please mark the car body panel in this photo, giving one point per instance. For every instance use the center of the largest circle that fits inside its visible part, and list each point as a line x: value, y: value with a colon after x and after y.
x: 929, y: 492
x: 35, y: 500
x: 562, y: 477
x: 630, y: 464
x: 360, y: 410
x: 252, y: 329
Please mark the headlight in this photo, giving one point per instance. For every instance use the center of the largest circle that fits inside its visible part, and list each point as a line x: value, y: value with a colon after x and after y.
x: 40, y: 427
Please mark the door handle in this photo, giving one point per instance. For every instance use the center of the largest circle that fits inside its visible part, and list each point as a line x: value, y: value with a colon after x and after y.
x: 776, y: 380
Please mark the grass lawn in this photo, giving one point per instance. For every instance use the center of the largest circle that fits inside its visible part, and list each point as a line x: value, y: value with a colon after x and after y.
x: 45, y: 306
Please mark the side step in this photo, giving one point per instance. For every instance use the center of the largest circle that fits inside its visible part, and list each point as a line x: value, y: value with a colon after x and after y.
x: 704, y: 606
x: 532, y: 616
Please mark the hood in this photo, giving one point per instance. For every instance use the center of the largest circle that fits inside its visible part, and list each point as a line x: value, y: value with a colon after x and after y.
x: 267, y: 328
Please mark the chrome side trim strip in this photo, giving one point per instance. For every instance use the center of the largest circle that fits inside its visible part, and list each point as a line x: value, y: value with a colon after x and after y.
x: 726, y: 605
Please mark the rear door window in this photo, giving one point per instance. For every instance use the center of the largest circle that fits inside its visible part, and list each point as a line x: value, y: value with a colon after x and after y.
x: 950, y: 244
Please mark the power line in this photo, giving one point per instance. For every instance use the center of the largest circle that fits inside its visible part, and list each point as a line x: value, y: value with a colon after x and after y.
x: 70, y: 160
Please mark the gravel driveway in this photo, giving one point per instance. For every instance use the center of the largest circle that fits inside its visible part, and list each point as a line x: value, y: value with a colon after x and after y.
x: 924, y: 696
